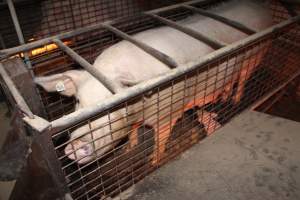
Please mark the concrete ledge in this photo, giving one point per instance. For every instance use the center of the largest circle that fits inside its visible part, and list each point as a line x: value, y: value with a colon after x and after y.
x: 256, y: 156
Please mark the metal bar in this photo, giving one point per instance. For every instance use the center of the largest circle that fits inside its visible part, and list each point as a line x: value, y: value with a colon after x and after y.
x: 176, y: 6
x: 153, y: 52
x: 267, y: 96
x: 15, y: 21
x: 18, y: 30
x: 15, y: 93
x: 274, y: 100
x: 145, y: 86
x: 26, y: 47
x: 110, y: 85
x: 215, y: 44
x: 222, y: 19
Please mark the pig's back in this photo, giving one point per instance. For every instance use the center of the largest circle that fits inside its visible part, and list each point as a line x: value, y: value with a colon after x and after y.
x: 124, y: 57
x: 92, y: 92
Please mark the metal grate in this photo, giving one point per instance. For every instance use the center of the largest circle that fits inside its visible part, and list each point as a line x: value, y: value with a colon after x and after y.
x: 182, y: 110
x: 262, y: 66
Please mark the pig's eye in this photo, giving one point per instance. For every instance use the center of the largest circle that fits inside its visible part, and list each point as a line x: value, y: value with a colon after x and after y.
x: 84, y: 139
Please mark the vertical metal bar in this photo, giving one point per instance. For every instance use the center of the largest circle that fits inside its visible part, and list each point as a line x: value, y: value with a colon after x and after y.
x: 18, y: 30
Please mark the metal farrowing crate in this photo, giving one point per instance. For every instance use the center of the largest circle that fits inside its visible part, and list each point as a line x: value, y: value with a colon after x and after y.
x: 178, y: 103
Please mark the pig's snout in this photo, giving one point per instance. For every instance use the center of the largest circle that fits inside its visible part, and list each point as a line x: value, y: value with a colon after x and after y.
x: 80, y: 151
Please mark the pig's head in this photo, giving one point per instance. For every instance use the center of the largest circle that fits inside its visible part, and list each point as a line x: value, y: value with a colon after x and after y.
x: 66, y: 83
x: 96, y: 138
x: 99, y: 136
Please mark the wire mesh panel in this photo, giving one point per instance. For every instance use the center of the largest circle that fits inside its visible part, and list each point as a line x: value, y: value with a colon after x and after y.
x: 40, y: 19
x: 281, y: 11
x: 164, y: 122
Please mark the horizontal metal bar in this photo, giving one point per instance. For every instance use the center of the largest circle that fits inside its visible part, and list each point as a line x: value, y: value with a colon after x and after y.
x: 145, y: 86
x: 176, y: 6
x: 274, y: 100
x: 215, y: 44
x: 222, y: 19
x: 273, y: 92
x: 27, y: 47
x: 110, y: 85
x: 21, y: 103
x: 148, y: 49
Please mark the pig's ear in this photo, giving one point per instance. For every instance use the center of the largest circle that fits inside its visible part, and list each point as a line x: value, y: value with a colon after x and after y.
x: 57, y: 83
x: 127, y: 79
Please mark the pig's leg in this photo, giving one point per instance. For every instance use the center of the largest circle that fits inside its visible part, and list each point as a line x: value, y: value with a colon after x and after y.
x: 246, y: 71
x: 207, y: 119
x: 228, y: 88
x: 162, y: 133
x: 243, y: 77
x: 133, y: 134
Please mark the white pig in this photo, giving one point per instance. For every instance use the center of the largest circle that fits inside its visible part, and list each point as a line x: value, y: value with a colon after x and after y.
x: 127, y: 65
x: 88, y: 91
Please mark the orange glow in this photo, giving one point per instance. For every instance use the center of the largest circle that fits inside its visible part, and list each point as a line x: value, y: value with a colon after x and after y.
x: 46, y: 48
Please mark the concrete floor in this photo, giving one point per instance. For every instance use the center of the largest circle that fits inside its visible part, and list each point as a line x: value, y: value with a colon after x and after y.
x: 256, y: 156
x: 5, y: 187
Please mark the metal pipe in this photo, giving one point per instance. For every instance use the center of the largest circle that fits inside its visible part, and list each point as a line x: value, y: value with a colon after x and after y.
x: 215, y: 44
x: 270, y: 94
x: 148, y: 49
x: 222, y: 19
x: 15, y: 93
x: 110, y: 85
x: 26, y: 47
x: 274, y: 100
x: 18, y: 30
x: 145, y: 86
